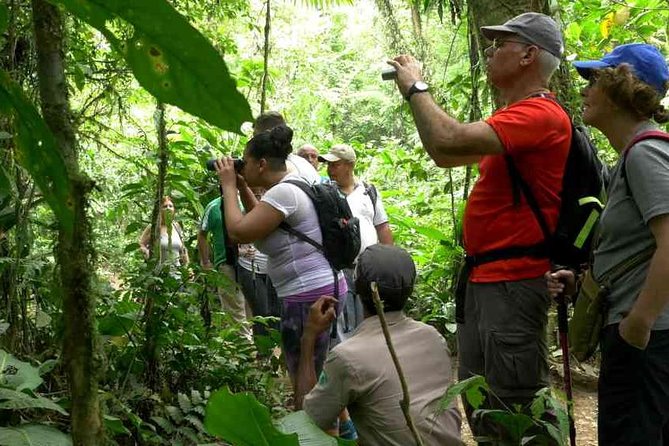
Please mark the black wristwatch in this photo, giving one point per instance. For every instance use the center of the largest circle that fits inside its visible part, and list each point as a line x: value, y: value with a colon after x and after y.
x: 417, y: 87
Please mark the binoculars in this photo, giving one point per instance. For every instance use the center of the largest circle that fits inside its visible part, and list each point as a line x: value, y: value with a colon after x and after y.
x: 238, y: 163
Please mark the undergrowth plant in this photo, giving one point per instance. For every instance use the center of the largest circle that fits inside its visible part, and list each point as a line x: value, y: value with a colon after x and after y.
x: 544, y: 423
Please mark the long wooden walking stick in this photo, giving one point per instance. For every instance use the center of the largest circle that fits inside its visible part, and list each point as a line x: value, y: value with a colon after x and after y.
x: 563, y: 328
x: 405, y: 402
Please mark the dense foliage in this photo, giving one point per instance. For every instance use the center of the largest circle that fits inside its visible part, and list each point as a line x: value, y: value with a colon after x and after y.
x: 125, y: 59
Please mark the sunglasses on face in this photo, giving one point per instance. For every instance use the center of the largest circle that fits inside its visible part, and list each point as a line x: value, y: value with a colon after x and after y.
x: 499, y: 43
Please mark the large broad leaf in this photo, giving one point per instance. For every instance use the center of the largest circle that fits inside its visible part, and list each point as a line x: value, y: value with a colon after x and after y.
x: 514, y: 424
x: 308, y: 433
x: 17, y: 374
x: 241, y: 420
x: 33, y: 435
x: 473, y: 388
x: 170, y: 58
x: 13, y: 400
x: 38, y: 151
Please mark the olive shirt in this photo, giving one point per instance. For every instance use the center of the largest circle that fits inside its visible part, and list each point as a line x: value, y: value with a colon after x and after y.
x: 624, y: 229
x: 360, y: 374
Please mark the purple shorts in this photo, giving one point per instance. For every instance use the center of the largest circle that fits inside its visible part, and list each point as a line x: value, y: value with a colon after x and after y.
x: 294, y: 317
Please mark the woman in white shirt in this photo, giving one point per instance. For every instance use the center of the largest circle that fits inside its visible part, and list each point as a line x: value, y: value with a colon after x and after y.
x: 173, y: 250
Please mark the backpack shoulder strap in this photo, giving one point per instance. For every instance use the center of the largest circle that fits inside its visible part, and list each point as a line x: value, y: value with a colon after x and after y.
x: 304, y: 187
x: 627, y: 265
x: 651, y: 134
x: 518, y: 184
x: 288, y: 228
x: 373, y: 194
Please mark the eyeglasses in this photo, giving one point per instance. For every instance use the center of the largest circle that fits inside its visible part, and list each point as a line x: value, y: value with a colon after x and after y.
x: 499, y: 43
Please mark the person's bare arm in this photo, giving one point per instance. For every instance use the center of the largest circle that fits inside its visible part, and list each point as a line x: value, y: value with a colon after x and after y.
x: 183, y: 253
x: 384, y: 234
x: 448, y: 141
x: 321, y: 315
x: 257, y: 224
x: 203, y: 250
x: 246, y: 194
x: 635, y: 328
x: 144, y: 241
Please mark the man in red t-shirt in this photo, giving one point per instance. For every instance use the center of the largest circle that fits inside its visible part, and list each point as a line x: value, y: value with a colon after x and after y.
x: 505, y: 311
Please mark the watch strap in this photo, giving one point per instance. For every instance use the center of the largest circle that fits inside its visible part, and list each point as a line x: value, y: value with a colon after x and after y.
x: 413, y: 90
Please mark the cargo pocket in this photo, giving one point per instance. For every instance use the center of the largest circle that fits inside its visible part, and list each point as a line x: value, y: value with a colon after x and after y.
x: 512, y: 362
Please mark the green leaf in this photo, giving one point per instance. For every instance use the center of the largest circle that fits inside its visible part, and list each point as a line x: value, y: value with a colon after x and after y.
x: 431, y: 233
x: 308, y: 433
x: 4, y: 17
x: 184, y: 403
x: 573, y: 31
x: 6, y: 188
x: 17, y: 375
x: 13, y: 400
x: 38, y: 151
x: 195, y: 397
x: 175, y: 414
x: 47, y: 366
x: 116, y: 324
x: 170, y: 58
x: 515, y: 424
x: 115, y: 426
x: 241, y: 420
x: 472, y: 388
x: 33, y: 435
x: 164, y: 423
x: 196, y: 423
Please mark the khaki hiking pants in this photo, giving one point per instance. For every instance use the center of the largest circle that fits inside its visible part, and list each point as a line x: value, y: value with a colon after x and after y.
x: 232, y: 300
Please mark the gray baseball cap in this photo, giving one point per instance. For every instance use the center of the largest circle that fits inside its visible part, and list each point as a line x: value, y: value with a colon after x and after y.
x: 392, y: 269
x: 534, y: 27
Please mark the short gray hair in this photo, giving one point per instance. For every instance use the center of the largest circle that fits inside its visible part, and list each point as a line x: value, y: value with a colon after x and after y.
x: 548, y: 63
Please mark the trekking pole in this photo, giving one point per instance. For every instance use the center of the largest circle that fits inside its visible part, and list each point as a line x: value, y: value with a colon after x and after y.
x: 563, y: 328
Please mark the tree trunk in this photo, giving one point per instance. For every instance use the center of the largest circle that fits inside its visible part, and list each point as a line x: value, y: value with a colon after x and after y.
x: 74, y: 250
x: 391, y: 27
x: 152, y: 322
x: 417, y: 27
x: 265, y: 72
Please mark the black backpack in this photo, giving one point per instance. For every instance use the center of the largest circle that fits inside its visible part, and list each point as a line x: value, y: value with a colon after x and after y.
x: 582, y: 201
x: 339, y: 228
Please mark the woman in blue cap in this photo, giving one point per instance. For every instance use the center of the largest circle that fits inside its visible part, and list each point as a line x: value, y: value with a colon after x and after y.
x: 622, y: 99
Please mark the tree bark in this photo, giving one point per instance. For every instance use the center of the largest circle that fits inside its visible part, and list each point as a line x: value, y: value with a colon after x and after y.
x: 74, y: 251
x: 265, y: 72
x: 417, y: 27
x: 391, y: 27
x: 152, y: 322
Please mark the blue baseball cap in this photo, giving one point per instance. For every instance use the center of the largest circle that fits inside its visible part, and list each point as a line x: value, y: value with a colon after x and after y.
x: 646, y: 61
